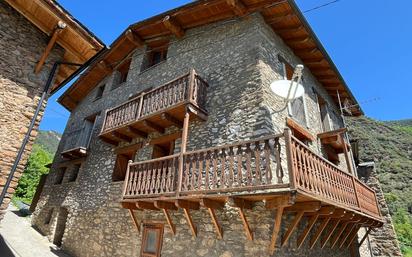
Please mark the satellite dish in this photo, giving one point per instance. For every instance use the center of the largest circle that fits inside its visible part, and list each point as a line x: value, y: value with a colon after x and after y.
x: 289, y: 89
x: 281, y: 88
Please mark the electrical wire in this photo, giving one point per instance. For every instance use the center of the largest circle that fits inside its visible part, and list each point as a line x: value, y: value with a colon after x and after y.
x: 321, y: 6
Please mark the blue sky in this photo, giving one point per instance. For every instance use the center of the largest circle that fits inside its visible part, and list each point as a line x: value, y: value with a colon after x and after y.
x: 368, y: 40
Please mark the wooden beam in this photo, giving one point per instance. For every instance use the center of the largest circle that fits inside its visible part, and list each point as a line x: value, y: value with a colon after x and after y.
x: 146, y: 205
x: 300, y: 40
x: 240, y: 203
x: 173, y: 26
x: 169, y: 221
x: 237, y: 6
x: 347, y: 234
x: 276, y: 228
x: 128, y: 205
x: 190, y: 222
x: 212, y: 204
x: 310, y: 50
x: 293, y: 29
x: 136, y: 132
x: 284, y: 201
x: 122, y: 136
x: 353, y: 236
x: 154, y: 126
x: 306, y: 231
x: 109, y: 141
x: 165, y: 138
x: 278, y: 19
x: 304, y: 207
x: 187, y: 204
x: 339, y: 234
x: 103, y: 65
x: 365, y: 236
x: 329, y: 233
x: 172, y: 119
x: 134, y: 38
x: 325, y: 210
x: 215, y: 223
x: 59, y: 29
x: 292, y: 227
x: 135, y: 221
x: 200, y: 114
x: 165, y: 205
x: 246, y: 226
x: 318, y: 232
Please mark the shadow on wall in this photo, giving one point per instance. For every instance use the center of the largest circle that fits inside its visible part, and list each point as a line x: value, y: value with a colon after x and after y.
x: 5, y: 250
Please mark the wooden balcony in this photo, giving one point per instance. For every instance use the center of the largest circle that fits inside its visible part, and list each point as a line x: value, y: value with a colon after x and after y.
x: 157, y: 109
x: 77, y: 143
x: 279, y: 170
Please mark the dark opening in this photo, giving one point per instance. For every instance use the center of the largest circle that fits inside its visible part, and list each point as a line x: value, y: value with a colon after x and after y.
x: 60, y: 226
x: 324, y: 117
x: 156, y: 54
x: 124, y: 71
x: 60, y: 175
x: 122, y: 159
x: 163, y: 149
x: 74, y: 173
x: 100, y: 91
x: 49, y: 216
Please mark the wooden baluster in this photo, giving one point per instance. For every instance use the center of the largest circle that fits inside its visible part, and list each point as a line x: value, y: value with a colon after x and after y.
x: 144, y: 181
x: 200, y: 171
x: 129, y: 186
x: 187, y: 173
x: 279, y: 171
x: 194, y: 172
x: 239, y: 158
x: 257, y: 152
x: 248, y: 165
x: 215, y: 156
x: 207, y: 170
x: 231, y: 167
x: 153, y: 180
x: 223, y: 168
x: 159, y: 177
x: 268, y: 169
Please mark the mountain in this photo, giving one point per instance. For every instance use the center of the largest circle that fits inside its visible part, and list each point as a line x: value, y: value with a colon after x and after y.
x: 48, y: 140
x: 389, y: 145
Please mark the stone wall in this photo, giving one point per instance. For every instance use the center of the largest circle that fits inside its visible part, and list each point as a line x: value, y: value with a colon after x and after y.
x: 238, y: 59
x: 21, y: 45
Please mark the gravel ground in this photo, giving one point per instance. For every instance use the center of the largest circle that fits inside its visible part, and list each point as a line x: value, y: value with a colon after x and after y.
x: 19, y: 239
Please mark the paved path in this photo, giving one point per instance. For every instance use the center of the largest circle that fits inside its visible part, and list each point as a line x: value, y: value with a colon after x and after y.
x: 19, y: 239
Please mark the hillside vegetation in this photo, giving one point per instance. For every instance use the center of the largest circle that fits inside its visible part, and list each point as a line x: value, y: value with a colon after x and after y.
x: 389, y: 144
x: 42, y: 154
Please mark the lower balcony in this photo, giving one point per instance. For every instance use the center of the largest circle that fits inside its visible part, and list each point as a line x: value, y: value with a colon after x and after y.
x: 77, y: 143
x: 157, y: 109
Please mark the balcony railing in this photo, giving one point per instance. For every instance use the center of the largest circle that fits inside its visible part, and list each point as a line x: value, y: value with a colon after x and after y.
x: 251, y: 167
x: 77, y: 142
x: 190, y: 88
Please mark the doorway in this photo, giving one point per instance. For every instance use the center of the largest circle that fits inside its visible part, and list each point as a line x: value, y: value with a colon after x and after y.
x: 60, y: 226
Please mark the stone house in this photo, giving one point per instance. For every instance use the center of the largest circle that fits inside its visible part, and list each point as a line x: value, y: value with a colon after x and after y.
x: 34, y: 36
x: 176, y: 145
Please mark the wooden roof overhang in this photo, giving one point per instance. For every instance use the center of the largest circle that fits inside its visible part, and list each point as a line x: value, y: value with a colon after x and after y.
x: 282, y: 15
x: 79, y: 43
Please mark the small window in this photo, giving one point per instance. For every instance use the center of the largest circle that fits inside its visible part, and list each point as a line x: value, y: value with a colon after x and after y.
x: 152, y: 240
x: 123, y: 71
x: 49, y: 216
x: 100, y: 91
x: 155, y: 55
x: 60, y: 175
x: 122, y: 160
x: 74, y: 173
x: 324, y: 113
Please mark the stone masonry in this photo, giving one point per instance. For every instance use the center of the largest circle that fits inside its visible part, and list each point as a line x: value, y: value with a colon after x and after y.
x: 239, y: 59
x: 21, y: 45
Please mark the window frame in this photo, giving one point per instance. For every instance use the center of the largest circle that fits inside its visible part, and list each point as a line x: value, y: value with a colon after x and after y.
x: 159, y: 240
x: 100, y: 92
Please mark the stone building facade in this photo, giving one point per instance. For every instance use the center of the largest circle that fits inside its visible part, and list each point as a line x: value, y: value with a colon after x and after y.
x: 239, y: 59
x: 21, y: 45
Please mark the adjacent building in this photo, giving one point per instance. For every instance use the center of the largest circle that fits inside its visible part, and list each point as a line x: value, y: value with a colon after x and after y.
x: 34, y: 35
x: 176, y: 145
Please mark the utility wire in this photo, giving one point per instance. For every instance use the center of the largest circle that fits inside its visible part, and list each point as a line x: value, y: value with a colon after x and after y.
x: 321, y: 6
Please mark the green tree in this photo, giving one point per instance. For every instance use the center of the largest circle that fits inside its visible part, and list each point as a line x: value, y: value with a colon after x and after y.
x: 34, y: 169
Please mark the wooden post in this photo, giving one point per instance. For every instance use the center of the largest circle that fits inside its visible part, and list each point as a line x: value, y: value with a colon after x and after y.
x: 347, y: 157
x: 183, y: 150
x: 192, y: 75
x: 365, y: 236
x: 126, y: 179
x: 59, y: 28
x: 135, y: 221
x: 289, y: 154
x: 139, y: 112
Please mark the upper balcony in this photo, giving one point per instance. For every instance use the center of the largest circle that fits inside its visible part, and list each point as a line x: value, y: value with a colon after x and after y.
x: 77, y: 142
x: 157, y: 109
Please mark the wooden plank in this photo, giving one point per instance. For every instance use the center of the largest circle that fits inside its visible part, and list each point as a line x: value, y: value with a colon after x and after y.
x: 353, y: 236
x: 212, y: 204
x: 153, y: 126
x: 347, y: 234
x: 216, y: 223
x: 136, y: 132
x: 284, y: 201
x: 57, y: 31
x: 338, y: 234
x: 165, y: 138
x: 329, y: 233
x: 173, y: 26
x: 240, y: 203
x: 165, y: 205
x: 246, y: 226
x: 187, y: 204
x: 313, y: 206
x: 276, y: 228
x: 169, y: 221
x: 318, y: 232
x: 135, y: 221
x: 146, y: 205
x: 172, y: 119
x: 190, y: 222
x: 121, y: 136
x: 292, y: 227
x: 109, y: 141
x: 306, y: 231
x: 134, y: 38
x: 237, y: 6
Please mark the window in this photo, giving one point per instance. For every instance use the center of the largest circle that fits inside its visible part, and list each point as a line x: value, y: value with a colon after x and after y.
x: 152, y: 240
x: 324, y: 114
x: 60, y: 175
x: 123, y: 71
x: 296, y: 107
x: 155, y: 55
x: 48, y: 217
x: 100, y: 91
x: 122, y: 159
x: 74, y: 173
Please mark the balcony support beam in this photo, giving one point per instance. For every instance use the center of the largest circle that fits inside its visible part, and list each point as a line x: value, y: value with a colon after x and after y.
x: 276, y: 229
x: 347, y: 234
x: 352, y: 237
x: 154, y: 126
x: 121, y: 136
x: 318, y: 232
x: 184, y: 204
x: 146, y: 206
x: 109, y: 141
x: 136, y: 132
x: 172, y: 119
x: 307, y: 230
x: 169, y: 221
x: 345, y: 225
x: 237, y: 6
x: 173, y: 26
x: 135, y: 221
x: 218, y: 228
x: 248, y: 231
x: 292, y: 227
x: 365, y: 236
x: 347, y: 216
x: 189, y: 220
